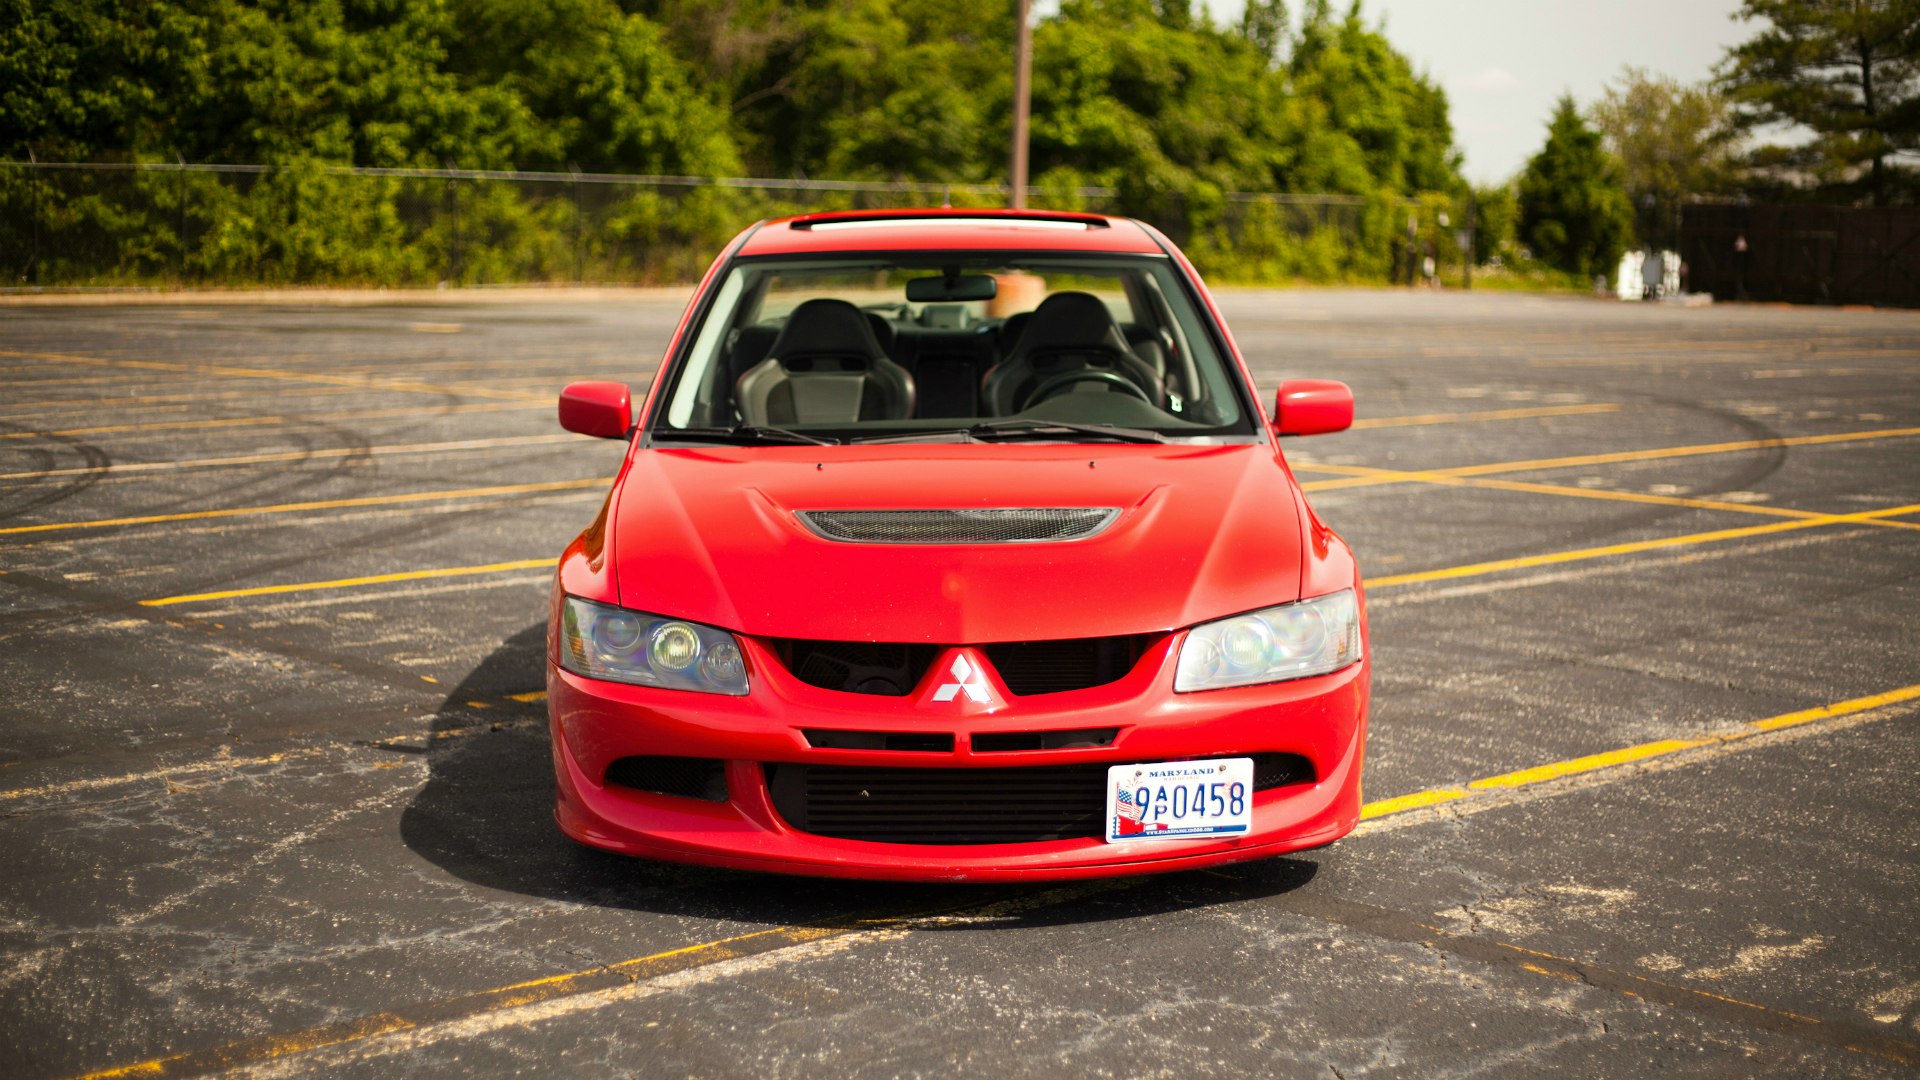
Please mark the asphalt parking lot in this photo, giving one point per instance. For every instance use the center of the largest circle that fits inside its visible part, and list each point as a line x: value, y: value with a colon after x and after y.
x: 274, y: 786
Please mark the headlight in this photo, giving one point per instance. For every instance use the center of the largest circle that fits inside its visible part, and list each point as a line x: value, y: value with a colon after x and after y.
x: 1291, y: 641
x: 605, y: 642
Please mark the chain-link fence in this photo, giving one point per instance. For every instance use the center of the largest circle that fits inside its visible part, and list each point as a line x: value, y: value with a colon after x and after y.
x: 89, y: 224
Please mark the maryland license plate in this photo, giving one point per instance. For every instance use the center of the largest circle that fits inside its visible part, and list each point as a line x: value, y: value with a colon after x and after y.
x: 1180, y: 800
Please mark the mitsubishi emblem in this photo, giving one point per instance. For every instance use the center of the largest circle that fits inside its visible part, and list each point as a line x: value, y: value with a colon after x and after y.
x: 967, y: 680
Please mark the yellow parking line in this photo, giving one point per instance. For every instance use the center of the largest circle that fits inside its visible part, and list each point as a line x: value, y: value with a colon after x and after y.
x: 347, y: 583
x: 425, y: 412
x: 453, y: 446
x: 1444, y: 478
x: 37, y: 408
x: 323, y: 504
x: 1425, y: 419
x: 1615, y: 458
x: 1628, y: 755
x: 1582, y: 554
x: 224, y: 371
x: 1402, y: 803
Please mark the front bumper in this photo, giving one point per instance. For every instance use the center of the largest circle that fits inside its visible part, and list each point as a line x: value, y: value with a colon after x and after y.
x: 596, y: 723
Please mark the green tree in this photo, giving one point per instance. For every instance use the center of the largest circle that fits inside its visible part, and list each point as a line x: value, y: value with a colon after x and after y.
x: 1674, y: 142
x: 1850, y: 73
x: 1358, y: 117
x: 1574, y: 212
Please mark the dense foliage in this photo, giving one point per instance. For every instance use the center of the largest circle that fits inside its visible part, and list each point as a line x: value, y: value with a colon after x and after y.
x: 1573, y: 207
x: 1147, y: 98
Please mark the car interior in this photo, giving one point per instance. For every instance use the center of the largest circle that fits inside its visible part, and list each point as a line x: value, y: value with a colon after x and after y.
x: 884, y: 346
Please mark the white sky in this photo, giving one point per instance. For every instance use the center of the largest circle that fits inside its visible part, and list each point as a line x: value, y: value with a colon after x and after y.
x: 1503, y: 63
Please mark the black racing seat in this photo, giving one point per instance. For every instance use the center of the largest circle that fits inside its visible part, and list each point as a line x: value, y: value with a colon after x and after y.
x: 826, y: 367
x: 1070, y: 332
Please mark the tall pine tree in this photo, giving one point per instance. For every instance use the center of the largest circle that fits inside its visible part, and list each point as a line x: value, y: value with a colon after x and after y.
x: 1574, y: 211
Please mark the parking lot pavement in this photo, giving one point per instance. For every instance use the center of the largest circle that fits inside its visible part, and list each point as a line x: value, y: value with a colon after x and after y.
x: 274, y: 787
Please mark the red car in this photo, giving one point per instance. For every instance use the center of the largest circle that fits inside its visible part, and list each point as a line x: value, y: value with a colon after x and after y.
x: 954, y: 545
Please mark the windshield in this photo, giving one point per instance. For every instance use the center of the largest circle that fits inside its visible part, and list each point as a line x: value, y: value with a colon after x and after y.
x: 906, y: 345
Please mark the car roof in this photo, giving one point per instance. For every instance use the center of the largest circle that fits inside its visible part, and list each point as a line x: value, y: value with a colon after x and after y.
x: 950, y: 229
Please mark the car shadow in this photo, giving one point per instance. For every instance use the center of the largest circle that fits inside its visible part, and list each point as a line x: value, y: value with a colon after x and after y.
x: 485, y: 815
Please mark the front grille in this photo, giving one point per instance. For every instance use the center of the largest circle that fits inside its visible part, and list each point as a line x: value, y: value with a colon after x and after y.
x: 1050, y: 667
x: 889, y: 669
x: 941, y: 806
x: 966, y: 806
x: 999, y: 526
x: 686, y: 777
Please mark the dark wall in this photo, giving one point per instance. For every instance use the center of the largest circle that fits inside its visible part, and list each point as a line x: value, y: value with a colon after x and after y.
x: 1804, y: 254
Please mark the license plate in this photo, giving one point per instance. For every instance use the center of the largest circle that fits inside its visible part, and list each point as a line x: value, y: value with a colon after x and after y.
x: 1179, y: 800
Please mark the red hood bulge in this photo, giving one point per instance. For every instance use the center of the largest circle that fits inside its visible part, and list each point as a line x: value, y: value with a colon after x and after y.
x: 711, y: 535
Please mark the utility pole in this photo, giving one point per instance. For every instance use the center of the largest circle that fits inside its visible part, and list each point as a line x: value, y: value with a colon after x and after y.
x: 1022, y: 91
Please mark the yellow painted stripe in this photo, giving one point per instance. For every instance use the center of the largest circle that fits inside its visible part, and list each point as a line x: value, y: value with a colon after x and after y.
x: 450, y: 447
x: 1433, y: 797
x: 322, y: 504
x: 512, y: 996
x: 1426, y: 419
x: 1622, y: 456
x: 423, y: 412
x: 1622, y: 756
x: 347, y: 583
x: 1859, y: 704
x: 1582, y: 554
x: 528, y: 698
x: 226, y: 371
x: 1628, y: 755
x: 1429, y: 476
x: 1615, y: 458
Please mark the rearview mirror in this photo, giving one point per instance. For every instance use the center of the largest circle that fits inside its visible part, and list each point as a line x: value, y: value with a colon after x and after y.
x: 934, y: 290
x: 1312, y: 407
x: 603, y: 410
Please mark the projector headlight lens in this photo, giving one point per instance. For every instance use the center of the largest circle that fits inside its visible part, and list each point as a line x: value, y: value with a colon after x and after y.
x: 1291, y: 641
x: 601, y: 641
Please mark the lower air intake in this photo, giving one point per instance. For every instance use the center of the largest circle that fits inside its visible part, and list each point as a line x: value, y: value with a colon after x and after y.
x: 685, y: 777
x: 998, y: 526
x: 966, y: 806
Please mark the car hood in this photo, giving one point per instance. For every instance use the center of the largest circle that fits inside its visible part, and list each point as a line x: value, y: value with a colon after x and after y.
x: 711, y: 535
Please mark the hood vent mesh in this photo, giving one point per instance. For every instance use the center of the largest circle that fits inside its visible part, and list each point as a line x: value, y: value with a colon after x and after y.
x: 1010, y: 526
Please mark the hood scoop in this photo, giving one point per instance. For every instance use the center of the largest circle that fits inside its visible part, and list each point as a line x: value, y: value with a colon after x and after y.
x: 1023, y: 525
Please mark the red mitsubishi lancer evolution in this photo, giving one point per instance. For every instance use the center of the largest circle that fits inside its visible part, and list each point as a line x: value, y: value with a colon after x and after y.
x: 954, y: 545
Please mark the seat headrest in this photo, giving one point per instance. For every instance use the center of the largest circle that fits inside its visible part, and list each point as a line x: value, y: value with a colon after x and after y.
x: 1070, y: 320
x: 827, y: 326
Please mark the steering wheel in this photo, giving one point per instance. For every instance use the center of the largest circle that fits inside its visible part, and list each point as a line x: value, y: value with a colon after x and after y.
x: 1067, y: 378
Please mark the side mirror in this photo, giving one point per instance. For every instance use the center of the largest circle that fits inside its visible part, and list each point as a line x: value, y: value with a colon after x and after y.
x: 1312, y: 407
x: 603, y: 410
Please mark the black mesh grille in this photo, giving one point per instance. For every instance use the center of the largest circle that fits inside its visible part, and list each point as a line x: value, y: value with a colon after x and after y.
x: 890, y: 669
x: 965, y: 806
x: 1049, y: 667
x: 687, y: 777
x: 1000, y: 526
x: 941, y: 806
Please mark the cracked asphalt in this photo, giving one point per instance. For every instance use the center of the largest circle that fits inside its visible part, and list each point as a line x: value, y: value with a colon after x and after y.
x: 274, y: 786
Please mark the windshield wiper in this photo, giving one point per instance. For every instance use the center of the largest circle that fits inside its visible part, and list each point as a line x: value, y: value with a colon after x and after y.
x: 1016, y: 428
x: 746, y: 433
